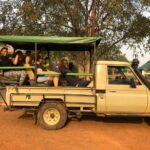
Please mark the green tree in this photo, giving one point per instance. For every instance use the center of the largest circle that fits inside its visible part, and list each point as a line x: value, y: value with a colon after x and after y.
x: 9, y: 17
x: 118, y: 22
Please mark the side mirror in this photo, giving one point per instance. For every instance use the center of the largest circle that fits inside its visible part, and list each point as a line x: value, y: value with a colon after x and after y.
x: 132, y: 83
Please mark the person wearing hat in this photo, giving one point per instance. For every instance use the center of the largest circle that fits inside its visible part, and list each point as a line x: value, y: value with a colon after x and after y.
x: 135, y: 63
x: 71, y: 80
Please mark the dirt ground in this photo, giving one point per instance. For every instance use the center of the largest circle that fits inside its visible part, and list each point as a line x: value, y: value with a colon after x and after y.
x: 91, y: 133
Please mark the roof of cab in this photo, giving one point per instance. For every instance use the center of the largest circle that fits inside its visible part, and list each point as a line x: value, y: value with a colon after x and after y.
x: 51, y: 43
x: 112, y: 63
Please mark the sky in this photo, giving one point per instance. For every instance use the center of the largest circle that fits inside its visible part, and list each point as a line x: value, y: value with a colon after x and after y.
x: 129, y: 53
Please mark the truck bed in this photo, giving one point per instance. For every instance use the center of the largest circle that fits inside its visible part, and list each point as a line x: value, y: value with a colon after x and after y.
x: 84, y: 98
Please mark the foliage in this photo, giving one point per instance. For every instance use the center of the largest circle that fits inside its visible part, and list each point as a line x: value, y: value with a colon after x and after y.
x: 117, y: 21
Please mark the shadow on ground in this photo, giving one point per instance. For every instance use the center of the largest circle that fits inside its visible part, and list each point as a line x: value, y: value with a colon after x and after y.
x: 115, y: 119
x: 147, y: 120
x: 27, y: 116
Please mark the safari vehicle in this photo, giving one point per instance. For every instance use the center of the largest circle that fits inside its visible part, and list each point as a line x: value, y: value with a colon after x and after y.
x: 117, y: 89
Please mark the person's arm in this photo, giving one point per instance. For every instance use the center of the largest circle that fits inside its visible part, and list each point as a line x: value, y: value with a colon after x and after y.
x: 1, y: 64
x: 65, y: 70
x: 15, y: 60
x: 27, y: 60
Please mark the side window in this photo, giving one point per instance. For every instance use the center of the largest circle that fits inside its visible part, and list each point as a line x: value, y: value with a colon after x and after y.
x: 121, y: 75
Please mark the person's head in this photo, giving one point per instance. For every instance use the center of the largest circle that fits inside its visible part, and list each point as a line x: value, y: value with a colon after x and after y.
x: 46, y: 60
x: 19, y: 53
x: 58, y: 63
x: 39, y: 59
x: 64, y: 63
x: 71, y: 66
x: 28, y: 53
x: 4, y: 51
x: 135, y: 63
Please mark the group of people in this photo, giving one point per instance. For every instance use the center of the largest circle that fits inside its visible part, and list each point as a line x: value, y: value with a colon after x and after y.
x: 62, y: 67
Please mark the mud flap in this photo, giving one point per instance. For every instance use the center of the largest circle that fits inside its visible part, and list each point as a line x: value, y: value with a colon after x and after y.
x: 2, y: 97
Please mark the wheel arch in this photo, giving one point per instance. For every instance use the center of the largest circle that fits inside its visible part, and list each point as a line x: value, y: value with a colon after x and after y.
x: 51, y: 100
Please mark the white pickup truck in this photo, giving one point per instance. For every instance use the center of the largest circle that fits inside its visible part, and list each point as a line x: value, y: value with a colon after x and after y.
x: 116, y: 89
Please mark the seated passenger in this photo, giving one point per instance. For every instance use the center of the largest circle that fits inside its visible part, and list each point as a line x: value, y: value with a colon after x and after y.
x: 4, y: 58
x: 45, y: 78
x: 6, y: 61
x: 28, y: 62
x: 71, y: 80
x: 47, y: 63
x: 55, y: 67
x: 18, y: 59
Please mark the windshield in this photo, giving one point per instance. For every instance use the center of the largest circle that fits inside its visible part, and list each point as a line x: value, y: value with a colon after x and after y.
x: 143, y: 79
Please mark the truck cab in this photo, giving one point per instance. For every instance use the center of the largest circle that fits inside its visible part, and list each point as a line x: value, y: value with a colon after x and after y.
x: 119, y: 89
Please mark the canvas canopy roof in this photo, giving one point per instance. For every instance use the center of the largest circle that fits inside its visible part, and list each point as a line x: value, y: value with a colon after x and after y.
x: 51, y: 43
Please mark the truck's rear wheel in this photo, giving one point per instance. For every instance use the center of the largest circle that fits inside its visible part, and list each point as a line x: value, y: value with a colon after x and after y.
x: 52, y: 116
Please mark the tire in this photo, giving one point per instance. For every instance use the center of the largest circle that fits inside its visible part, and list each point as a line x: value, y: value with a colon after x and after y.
x: 52, y: 116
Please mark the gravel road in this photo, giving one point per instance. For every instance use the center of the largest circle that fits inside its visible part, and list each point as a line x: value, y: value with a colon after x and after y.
x: 91, y: 133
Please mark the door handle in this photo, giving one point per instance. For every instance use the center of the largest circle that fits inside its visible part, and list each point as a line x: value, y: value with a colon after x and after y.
x: 112, y: 91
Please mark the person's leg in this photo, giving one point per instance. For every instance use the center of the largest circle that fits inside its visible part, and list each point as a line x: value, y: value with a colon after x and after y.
x: 31, y: 77
x: 42, y: 79
x: 22, y: 75
x: 50, y: 83
x: 7, y: 74
x: 50, y: 78
x: 55, y: 81
x: 30, y: 72
x: 11, y: 74
x: 83, y: 83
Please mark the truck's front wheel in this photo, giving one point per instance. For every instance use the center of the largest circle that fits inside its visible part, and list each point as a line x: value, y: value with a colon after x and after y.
x: 52, y: 116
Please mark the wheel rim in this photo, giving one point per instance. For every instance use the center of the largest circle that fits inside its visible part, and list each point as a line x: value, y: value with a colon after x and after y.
x: 51, y: 116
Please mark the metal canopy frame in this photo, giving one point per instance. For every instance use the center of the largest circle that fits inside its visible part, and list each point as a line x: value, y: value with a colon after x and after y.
x: 54, y: 44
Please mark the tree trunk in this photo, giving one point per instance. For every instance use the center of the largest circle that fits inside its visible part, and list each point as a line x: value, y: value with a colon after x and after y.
x: 93, y: 19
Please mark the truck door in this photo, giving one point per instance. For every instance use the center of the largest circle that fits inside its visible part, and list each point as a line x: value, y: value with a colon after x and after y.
x: 120, y: 96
